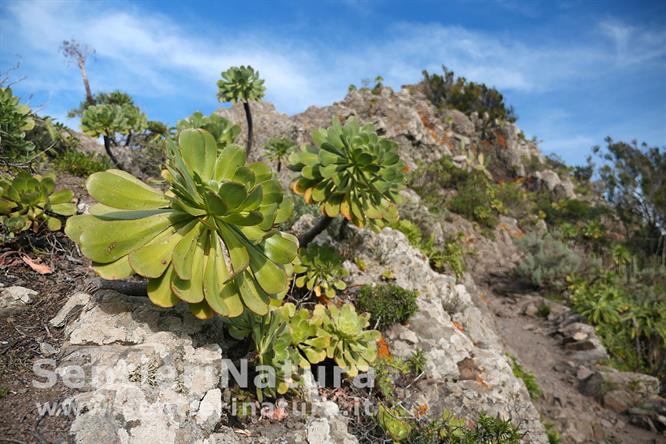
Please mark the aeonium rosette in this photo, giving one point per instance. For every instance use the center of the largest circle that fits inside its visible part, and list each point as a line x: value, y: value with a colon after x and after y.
x: 210, y: 240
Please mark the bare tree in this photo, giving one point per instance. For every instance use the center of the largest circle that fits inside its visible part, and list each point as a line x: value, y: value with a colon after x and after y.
x: 79, y: 53
x: 5, y: 76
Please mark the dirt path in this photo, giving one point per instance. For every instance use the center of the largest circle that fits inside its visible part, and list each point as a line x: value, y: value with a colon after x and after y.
x: 579, y: 418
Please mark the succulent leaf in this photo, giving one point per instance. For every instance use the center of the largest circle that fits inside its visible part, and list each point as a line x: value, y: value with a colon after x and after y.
x: 209, y: 241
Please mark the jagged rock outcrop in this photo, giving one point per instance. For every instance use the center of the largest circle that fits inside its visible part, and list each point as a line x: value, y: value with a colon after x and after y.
x: 467, y: 370
x: 423, y: 133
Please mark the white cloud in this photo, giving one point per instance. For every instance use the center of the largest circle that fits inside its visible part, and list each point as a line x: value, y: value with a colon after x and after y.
x: 634, y: 45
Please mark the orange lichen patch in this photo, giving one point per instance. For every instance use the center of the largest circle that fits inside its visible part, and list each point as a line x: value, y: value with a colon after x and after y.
x: 481, y: 382
x: 458, y: 326
x: 483, y: 298
x: 383, y: 348
x: 501, y: 140
x: 425, y: 120
x: 421, y: 410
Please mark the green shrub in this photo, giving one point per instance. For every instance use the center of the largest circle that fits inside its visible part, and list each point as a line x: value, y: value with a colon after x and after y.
x: 527, y: 377
x: 552, y: 433
x: 630, y: 318
x: 387, y: 304
x: 81, y: 164
x: 352, y: 345
x: 319, y: 269
x: 15, y: 121
x: 417, y: 362
x: 450, y: 429
x: 518, y: 202
x: 285, y: 339
x: 242, y: 84
x: 476, y: 201
x: 52, y: 137
x: 223, y: 131
x: 547, y: 261
x: 450, y: 258
x: 543, y: 310
x: 116, y: 121
x: 476, y: 194
x: 288, y: 339
x: 568, y: 210
x: 447, y: 91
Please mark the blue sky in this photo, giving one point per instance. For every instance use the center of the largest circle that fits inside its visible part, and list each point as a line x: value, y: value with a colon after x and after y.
x: 575, y: 70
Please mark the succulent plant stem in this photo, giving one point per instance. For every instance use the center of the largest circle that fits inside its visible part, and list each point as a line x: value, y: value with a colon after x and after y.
x: 130, y: 288
x: 248, y: 116
x: 307, y: 237
x: 107, y: 148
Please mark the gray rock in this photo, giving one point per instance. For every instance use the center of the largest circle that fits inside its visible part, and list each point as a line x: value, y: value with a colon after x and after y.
x: 319, y: 431
x: 459, y: 122
x: 210, y: 410
x: 149, y: 371
x: 76, y: 300
x: 618, y: 401
x: 622, y: 391
x: 47, y: 350
x: 583, y: 373
x: 579, y: 338
x: 531, y: 309
x: 16, y: 297
x: 551, y: 181
x: 409, y: 336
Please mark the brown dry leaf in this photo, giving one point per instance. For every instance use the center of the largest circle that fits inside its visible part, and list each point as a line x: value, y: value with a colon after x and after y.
x: 6, y: 262
x: 39, y: 268
x: 458, y: 326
